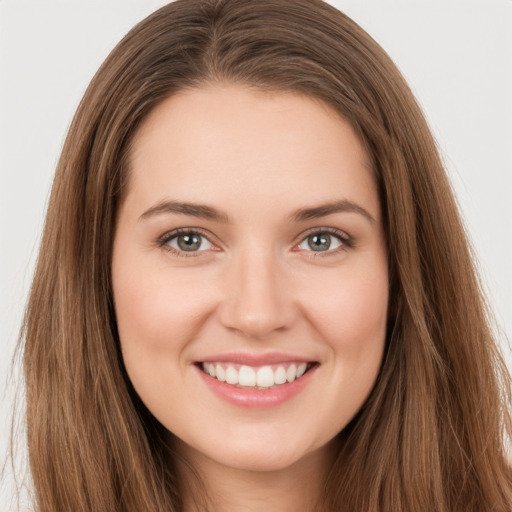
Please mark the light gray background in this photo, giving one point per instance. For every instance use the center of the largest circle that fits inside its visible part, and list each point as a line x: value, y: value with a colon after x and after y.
x: 456, y: 54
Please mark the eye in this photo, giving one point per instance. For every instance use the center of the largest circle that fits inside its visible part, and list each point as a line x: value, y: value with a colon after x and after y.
x: 186, y: 241
x: 324, y: 241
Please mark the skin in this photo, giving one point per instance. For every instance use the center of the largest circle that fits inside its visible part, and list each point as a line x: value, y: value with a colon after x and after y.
x: 255, y: 286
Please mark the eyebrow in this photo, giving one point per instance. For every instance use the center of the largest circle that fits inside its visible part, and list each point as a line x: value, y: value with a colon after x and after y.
x: 328, y: 209
x: 208, y: 212
x: 195, y: 210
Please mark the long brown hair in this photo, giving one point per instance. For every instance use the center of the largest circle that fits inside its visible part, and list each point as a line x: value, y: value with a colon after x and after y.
x: 432, y: 435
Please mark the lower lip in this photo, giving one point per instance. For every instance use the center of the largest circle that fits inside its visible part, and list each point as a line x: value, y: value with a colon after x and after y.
x: 257, y: 398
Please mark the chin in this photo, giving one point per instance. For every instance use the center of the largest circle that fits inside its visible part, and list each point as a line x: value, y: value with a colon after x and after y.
x: 259, y: 460
x: 261, y: 454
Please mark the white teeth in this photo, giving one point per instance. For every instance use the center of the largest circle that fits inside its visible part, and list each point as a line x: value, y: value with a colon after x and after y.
x: 280, y: 376
x: 221, y: 374
x: 265, y: 377
x: 291, y: 373
x: 231, y: 375
x: 247, y: 376
x: 301, y: 369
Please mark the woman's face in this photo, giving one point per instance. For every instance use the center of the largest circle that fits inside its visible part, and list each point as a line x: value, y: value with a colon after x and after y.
x: 250, y: 274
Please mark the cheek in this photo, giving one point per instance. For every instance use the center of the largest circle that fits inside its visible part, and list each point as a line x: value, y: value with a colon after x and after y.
x: 156, y: 310
x: 350, y: 312
x: 157, y: 316
x: 351, y: 320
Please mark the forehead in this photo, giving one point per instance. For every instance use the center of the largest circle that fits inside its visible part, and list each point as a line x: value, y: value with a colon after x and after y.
x: 225, y: 143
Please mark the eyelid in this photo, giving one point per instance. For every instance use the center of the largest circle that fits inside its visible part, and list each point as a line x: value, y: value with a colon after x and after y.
x: 347, y: 242
x: 164, y: 239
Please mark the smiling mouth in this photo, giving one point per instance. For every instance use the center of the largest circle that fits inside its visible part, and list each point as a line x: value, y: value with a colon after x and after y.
x: 262, y: 377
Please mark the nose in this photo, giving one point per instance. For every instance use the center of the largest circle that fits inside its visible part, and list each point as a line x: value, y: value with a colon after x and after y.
x: 258, y: 300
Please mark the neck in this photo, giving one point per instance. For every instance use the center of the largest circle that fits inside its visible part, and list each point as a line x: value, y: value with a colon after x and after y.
x: 215, y: 487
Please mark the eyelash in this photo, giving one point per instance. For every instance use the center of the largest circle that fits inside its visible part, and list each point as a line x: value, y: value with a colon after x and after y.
x: 346, y: 241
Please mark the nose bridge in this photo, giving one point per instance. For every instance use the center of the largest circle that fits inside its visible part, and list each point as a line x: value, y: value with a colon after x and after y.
x: 256, y: 299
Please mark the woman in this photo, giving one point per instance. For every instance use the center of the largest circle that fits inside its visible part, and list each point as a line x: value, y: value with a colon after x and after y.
x: 254, y: 289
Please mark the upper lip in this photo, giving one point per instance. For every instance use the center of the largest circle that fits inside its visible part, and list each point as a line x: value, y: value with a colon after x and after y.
x: 252, y: 359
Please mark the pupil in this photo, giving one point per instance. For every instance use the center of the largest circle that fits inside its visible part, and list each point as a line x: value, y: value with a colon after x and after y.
x: 319, y: 242
x: 189, y: 242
